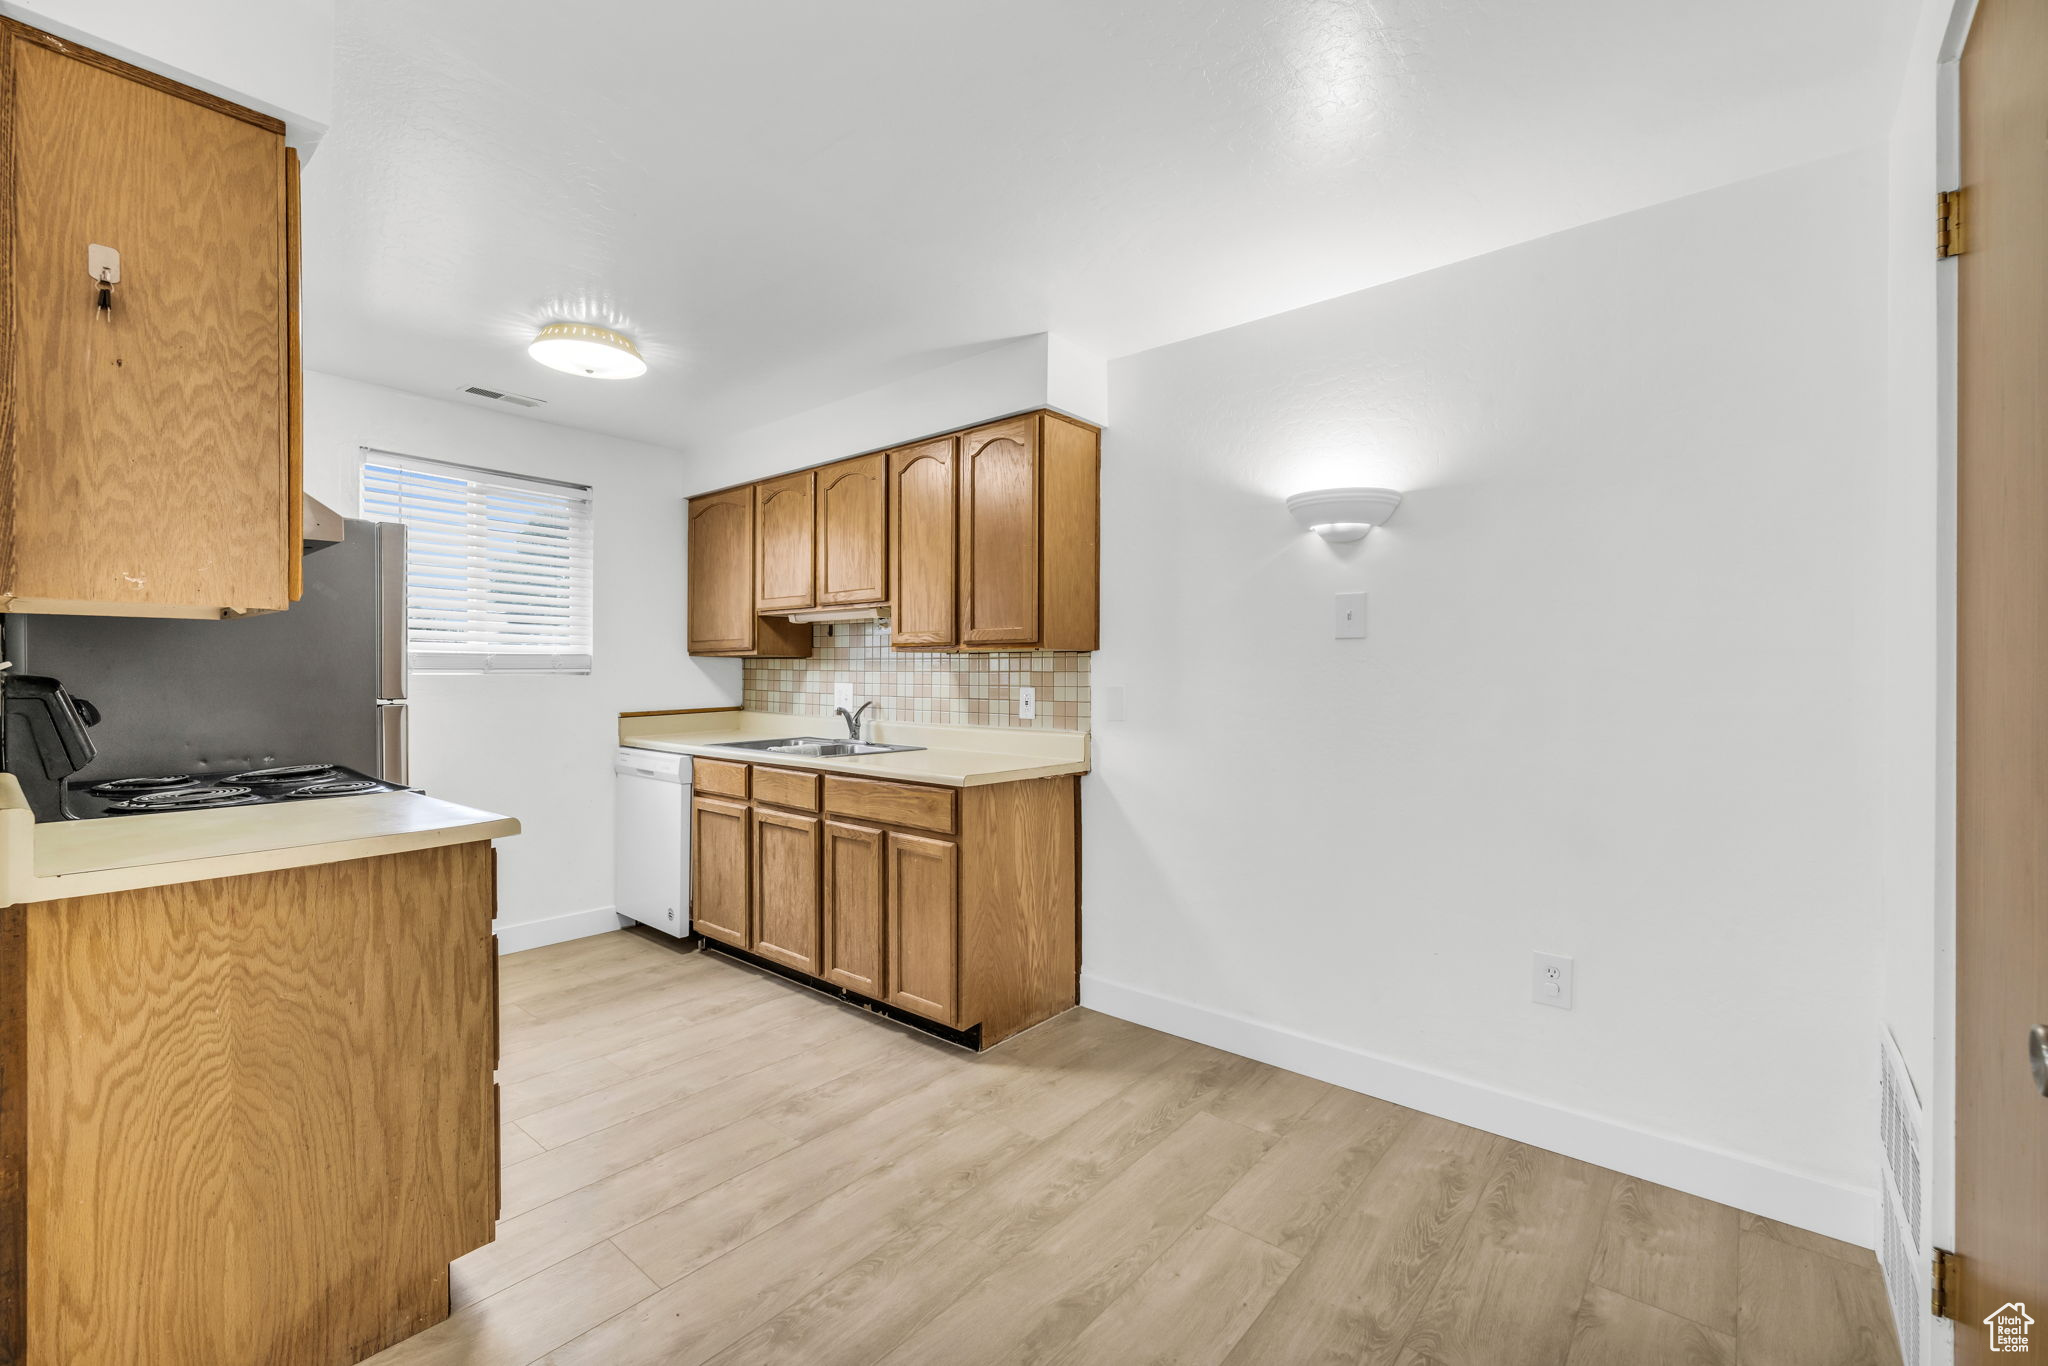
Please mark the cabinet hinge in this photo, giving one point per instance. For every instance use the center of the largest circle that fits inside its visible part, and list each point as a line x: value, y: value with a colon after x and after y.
x: 1951, y: 235
x: 1948, y: 1285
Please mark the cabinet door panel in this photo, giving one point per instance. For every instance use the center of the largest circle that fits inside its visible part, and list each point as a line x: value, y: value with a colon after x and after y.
x: 151, y: 441
x: 853, y: 557
x: 853, y: 907
x: 721, y: 572
x: 720, y: 868
x: 923, y: 925
x: 922, y: 527
x: 784, y: 532
x: 786, y: 888
x: 999, y: 534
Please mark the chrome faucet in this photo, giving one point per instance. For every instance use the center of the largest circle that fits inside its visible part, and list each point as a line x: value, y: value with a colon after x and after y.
x: 853, y: 720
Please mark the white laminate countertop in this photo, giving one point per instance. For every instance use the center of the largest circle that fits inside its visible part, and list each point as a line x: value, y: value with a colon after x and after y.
x: 56, y: 859
x: 952, y: 756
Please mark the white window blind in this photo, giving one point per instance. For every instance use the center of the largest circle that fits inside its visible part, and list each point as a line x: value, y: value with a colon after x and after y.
x: 498, y: 566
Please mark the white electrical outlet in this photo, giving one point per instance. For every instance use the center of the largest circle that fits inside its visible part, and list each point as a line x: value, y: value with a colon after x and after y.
x: 1552, y: 985
x: 842, y: 696
x: 1027, y: 703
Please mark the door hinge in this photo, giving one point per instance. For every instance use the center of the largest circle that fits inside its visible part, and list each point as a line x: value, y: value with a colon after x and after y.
x: 1951, y: 227
x: 1948, y: 1285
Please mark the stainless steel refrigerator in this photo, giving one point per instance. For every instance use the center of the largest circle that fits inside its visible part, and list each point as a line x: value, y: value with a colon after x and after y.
x: 322, y: 682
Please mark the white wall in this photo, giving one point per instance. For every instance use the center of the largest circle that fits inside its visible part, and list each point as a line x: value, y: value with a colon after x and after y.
x: 539, y: 747
x: 275, y: 56
x: 1618, y: 700
x: 1009, y: 377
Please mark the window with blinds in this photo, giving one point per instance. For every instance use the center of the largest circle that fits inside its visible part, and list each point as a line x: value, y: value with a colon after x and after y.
x: 498, y: 566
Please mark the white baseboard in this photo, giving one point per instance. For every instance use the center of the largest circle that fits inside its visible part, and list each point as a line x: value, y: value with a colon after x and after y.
x: 556, y: 929
x: 1747, y: 1183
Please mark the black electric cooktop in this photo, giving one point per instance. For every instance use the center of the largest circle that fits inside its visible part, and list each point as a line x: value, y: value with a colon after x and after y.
x: 91, y: 797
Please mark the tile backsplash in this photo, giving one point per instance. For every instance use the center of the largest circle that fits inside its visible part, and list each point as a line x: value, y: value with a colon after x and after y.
x: 942, y: 689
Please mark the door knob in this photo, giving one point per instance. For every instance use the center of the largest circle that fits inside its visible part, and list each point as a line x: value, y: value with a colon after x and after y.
x: 2037, y: 1056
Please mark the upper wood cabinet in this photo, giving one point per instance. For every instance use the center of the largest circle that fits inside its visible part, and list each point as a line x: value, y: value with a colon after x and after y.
x: 721, y: 572
x: 721, y: 591
x: 853, y: 559
x: 785, y: 535
x: 999, y: 534
x: 980, y: 540
x: 922, y: 532
x: 148, y: 453
x: 1029, y: 527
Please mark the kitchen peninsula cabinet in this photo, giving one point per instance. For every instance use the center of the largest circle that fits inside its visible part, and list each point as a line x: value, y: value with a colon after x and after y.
x: 248, y: 1120
x: 149, y: 461
x: 722, y: 617
x: 985, y: 539
x: 958, y: 906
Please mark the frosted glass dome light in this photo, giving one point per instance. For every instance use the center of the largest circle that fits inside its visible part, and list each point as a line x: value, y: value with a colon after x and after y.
x: 581, y: 349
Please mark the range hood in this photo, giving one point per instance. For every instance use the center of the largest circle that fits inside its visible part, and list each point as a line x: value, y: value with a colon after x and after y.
x: 878, y: 611
x: 319, y: 524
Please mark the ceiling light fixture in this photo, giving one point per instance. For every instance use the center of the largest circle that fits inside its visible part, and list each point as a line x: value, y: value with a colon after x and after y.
x: 581, y: 349
x: 1343, y: 514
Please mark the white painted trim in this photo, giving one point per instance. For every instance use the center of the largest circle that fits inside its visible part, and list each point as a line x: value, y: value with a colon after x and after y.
x: 1791, y: 1197
x: 519, y: 935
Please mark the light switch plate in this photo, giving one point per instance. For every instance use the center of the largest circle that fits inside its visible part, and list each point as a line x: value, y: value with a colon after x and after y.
x: 842, y: 696
x: 1351, y: 616
x: 1027, y: 704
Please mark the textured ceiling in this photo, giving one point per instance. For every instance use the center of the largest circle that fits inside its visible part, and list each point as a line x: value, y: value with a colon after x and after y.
x: 787, y: 203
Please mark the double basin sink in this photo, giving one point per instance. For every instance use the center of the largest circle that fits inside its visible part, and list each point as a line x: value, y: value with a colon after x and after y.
x: 812, y: 747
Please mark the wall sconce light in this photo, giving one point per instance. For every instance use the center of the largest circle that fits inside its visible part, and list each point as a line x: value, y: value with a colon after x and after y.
x: 1343, y: 514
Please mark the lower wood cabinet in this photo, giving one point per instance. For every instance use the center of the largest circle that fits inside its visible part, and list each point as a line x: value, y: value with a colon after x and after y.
x: 786, y: 882
x: 958, y: 906
x: 853, y: 907
x: 721, y: 882
x: 246, y: 1121
x: 923, y: 925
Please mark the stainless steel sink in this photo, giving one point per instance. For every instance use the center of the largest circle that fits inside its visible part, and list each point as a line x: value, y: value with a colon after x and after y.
x: 812, y: 747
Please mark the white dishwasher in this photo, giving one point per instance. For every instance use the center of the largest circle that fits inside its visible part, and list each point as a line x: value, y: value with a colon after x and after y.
x: 651, y: 850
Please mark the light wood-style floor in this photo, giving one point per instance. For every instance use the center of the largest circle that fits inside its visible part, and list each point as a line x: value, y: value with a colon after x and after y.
x: 708, y: 1164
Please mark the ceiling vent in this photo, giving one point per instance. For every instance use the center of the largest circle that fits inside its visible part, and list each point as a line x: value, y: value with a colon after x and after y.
x: 516, y: 400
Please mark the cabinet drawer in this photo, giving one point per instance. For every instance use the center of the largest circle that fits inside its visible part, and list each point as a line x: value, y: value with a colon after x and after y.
x: 719, y: 778
x: 786, y: 787
x: 926, y: 808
